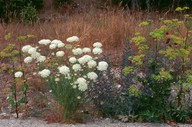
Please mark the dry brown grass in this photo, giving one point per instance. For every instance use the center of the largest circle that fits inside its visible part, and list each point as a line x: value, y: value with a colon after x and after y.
x: 110, y: 27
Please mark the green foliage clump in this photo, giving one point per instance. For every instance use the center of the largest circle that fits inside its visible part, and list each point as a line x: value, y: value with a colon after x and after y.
x: 161, y: 62
x: 19, y: 86
x: 10, y: 9
x: 28, y: 14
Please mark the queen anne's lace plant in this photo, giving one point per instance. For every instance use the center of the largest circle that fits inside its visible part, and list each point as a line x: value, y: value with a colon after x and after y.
x: 97, y: 51
x: 28, y: 59
x: 26, y: 48
x: 92, y: 76
x: 72, y: 39
x: 60, y: 53
x: 102, y: 66
x: 32, y: 50
x: 35, y: 55
x: 77, y: 67
x: 44, y: 41
x: 71, y: 74
x: 41, y: 59
x: 64, y: 70
x: 84, y: 59
x: 82, y: 84
x: 60, y: 45
x: 92, y: 64
x: 97, y: 45
x: 56, y: 42
x: 45, y: 73
x: 86, y: 50
x: 72, y: 60
x: 18, y: 74
x: 52, y: 46
x: 77, y: 51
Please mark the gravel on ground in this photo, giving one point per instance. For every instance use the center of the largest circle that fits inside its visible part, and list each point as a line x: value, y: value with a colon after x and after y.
x: 34, y: 122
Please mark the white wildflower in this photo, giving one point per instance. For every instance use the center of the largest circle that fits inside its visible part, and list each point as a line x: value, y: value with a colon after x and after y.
x: 92, y: 64
x: 82, y: 84
x: 72, y: 39
x: 86, y: 50
x: 77, y: 51
x: 84, y: 59
x: 92, y: 76
x: 78, y: 97
x: 102, y: 66
x: 60, y: 53
x: 76, y: 67
x: 18, y: 74
x: 26, y: 48
x: 44, y: 41
x: 72, y: 60
x: 97, y: 51
x: 35, y: 55
x: 56, y: 42
x: 41, y: 59
x: 97, y: 45
x: 52, y: 46
x: 28, y: 59
x: 44, y: 73
x: 64, y: 70
x: 32, y: 50
x: 60, y: 45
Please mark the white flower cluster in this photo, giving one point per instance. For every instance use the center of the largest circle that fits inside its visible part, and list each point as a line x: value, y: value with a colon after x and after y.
x: 97, y: 45
x: 26, y: 48
x: 18, y: 74
x: 60, y: 53
x: 97, y: 51
x: 86, y: 50
x: 28, y: 59
x: 84, y: 59
x: 82, y: 84
x: 64, y: 70
x: 77, y: 67
x: 77, y: 51
x: 97, y: 48
x: 83, y: 64
x: 72, y: 39
x: 45, y: 73
x: 56, y: 44
x: 72, y: 60
x: 102, y: 66
x: 92, y: 64
x: 44, y: 41
x: 92, y: 76
x: 34, y: 54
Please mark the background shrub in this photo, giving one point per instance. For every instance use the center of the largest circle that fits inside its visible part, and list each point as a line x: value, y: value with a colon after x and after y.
x: 28, y: 14
x: 10, y: 9
x: 107, y: 94
x: 60, y: 2
x: 153, y: 4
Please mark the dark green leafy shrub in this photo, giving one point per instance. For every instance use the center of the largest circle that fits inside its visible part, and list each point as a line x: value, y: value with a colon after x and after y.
x: 10, y: 9
x: 28, y: 14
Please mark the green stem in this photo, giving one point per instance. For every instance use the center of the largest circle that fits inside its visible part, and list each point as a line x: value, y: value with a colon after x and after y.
x: 15, y: 92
